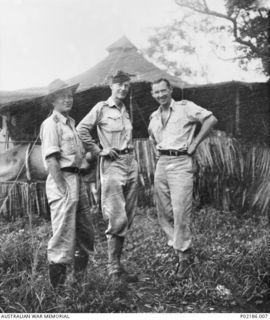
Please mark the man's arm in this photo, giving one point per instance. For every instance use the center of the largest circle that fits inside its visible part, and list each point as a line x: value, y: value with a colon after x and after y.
x: 153, y: 146
x: 56, y: 173
x: 51, y: 151
x: 153, y: 143
x: 85, y: 127
x: 207, y: 125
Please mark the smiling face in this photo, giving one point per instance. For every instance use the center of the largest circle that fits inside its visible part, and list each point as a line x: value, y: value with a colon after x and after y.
x: 162, y: 93
x: 63, y: 101
x: 120, y: 90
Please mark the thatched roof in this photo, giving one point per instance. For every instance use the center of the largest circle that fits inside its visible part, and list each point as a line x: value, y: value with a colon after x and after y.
x: 10, y: 97
x: 122, y: 55
x: 125, y: 56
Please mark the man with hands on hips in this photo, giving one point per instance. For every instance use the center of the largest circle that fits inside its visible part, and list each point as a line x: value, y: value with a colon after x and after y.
x: 118, y: 169
x: 171, y: 130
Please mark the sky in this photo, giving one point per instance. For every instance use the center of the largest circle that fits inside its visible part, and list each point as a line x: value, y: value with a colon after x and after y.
x: 41, y: 40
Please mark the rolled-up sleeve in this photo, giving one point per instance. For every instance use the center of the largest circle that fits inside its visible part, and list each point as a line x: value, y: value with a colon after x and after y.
x: 196, y: 113
x: 85, y: 127
x: 49, y: 138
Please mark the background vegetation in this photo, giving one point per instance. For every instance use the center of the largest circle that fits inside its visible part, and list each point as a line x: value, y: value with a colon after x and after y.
x: 230, y: 271
x: 240, y: 34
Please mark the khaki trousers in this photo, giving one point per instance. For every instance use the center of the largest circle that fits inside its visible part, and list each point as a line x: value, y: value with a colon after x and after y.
x: 119, y: 192
x: 70, y: 218
x: 173, y: 197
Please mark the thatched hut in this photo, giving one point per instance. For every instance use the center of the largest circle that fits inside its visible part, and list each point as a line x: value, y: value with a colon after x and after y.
x: 243, y: 111
x: 17, y: 108
x: 241, y: 108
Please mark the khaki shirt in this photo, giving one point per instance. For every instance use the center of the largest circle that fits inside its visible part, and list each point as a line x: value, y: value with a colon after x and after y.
x: 178, y: 132
x: 114, y: 127
x: 58, y: 135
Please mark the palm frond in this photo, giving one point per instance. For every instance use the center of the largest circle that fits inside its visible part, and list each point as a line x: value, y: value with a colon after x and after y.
x: 231, y: 175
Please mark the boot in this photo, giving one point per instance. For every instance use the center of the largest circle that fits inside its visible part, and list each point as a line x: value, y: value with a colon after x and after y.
x: 80, y: 263
x: 57, y: 274
x: 113, y: 259
x: 183, y: 267
x: 127, y: 276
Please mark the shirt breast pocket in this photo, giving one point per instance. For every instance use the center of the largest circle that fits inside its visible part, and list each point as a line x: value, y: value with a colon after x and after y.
x: 68, y: 144
x: 114, y: 123
x: 174, y: 126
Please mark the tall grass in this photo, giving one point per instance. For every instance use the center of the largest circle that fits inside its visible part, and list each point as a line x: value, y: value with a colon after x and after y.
x: 231, y: 252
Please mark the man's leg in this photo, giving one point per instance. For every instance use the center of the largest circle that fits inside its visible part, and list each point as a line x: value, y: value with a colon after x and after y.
x: 63, y: 215
x: 180, y: 178
x: 163, y: 199
x: 84, y: 230
x: 131, y: 190
x: 131, y: 197
x: 113, y: 177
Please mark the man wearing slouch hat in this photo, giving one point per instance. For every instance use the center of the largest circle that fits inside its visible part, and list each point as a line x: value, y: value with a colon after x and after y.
x: 62, y: 153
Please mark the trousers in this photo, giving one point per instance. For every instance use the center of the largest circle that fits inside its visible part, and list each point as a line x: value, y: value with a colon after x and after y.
x: 70, y: 218
x: 173, y: 197
x: 119, y: 193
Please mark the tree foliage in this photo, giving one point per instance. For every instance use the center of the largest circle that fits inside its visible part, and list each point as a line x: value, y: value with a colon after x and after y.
x: 239, y: 34
x: 178, y: 46
x: 249, y: 24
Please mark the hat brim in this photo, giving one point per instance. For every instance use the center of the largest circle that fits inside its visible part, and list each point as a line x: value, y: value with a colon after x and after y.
x: 73, y: 88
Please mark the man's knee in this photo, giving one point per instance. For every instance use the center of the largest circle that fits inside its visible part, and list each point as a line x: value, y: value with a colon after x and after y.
x: 118, y: 226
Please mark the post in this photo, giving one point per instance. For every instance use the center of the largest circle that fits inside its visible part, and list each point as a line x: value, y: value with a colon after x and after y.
x: 6, y: 119
x: 131, y: 105
x: 237, y: 112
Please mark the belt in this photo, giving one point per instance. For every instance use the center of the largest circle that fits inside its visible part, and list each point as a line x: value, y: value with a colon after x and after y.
x: 124, y: 151
x: 71, y: 169
x: 173, y: 152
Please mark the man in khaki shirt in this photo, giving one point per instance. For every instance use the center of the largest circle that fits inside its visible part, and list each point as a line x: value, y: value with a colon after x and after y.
x: 118, y: 169
x: 62, y: 153
x: 171, y: 131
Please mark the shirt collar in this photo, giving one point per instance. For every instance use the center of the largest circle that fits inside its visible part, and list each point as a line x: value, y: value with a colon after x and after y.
x: 62, y: 118
x: 111, y: 103
x: 172, y: 106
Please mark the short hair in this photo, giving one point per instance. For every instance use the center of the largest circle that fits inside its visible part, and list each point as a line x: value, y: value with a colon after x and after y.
x: 161, y: 80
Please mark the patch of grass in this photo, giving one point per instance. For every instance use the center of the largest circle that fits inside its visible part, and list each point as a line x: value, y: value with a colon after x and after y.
x: 231, y: 252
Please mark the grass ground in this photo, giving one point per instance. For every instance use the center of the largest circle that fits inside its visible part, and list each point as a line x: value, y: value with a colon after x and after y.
x: 230, y: 273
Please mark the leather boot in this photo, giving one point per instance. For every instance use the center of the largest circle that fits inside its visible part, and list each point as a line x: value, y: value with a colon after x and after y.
x: 57, y: 274
x: 80, y: 263
x: 113, y: 259
x: 183, y: 268
x: 127, y: 276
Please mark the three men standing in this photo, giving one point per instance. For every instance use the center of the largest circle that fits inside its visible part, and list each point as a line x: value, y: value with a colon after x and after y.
x: 118, y: 168
x: 62, y: 153
x: 172, y: 128
x: 171, y: 131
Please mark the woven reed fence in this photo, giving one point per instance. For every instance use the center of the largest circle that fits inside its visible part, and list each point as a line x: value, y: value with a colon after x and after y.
x: 22, y: 198
x: 228, y: 176
x: 146, y: 162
